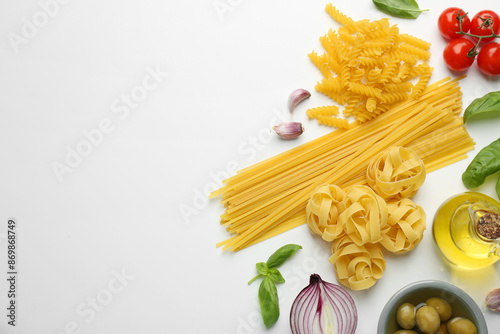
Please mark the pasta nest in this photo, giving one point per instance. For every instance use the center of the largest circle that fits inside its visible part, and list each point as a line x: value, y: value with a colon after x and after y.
x: 396, y: 173
x: 322, y: 212
x: 364, y: 215
x: 405, y: 226
x: 358, y: 267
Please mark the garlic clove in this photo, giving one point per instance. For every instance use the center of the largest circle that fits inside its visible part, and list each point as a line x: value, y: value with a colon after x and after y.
x: 493, y: 300
x: 296, y: 97
x: 289, y: 130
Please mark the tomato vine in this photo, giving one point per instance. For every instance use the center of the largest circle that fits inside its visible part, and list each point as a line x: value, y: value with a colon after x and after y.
x: 467, y: 36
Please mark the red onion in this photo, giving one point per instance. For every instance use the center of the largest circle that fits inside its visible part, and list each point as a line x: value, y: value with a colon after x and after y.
x: 323, y: 307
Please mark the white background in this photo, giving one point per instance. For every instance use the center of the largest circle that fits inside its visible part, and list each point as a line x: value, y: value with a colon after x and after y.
x: 117, y: 211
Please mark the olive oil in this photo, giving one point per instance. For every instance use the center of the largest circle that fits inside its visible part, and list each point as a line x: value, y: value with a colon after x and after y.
x: 458, y: 232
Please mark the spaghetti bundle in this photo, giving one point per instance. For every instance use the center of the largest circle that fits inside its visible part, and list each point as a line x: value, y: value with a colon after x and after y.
x: 270, y: 197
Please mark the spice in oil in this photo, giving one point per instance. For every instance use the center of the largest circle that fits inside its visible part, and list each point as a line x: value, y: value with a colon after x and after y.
x: 466, y: 230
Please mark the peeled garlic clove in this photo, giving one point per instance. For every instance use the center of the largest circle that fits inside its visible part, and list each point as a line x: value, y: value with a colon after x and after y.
x: 493, y: 300
x: 289, y: 130
x: 296, y: 97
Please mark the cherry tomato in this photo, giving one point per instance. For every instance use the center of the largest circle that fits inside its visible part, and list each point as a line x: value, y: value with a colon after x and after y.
x: 485, y: 23
x: 488, y: 59
x: 449, y: 24
x: 456, y: 54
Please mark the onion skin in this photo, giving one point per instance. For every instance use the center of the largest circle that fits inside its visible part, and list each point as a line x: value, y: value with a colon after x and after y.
x: 323, y: 307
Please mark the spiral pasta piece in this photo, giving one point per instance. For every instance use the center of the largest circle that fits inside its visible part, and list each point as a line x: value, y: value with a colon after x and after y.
x: 335, y: 122
x: 329, y: 84
x: 399, y: 87
x: 371, y: 104
x: 403, y: 73
x: 406, y: 225
x: 320, y: 63
x: 373, y: 75
x: 324, y: 110
x: 364, y: 215
x: 362, y: 115
x: 381, y: 109
x: 345, y: 74
x: 410, y: 59
x: 391, y: 97
x: 368, y: 62
x: 352, y: 103
x: 357, y: 74
x: 337, y: 15
x: 389, y: 71
x: 372, y: 52
x: 357, y: 267
x: 410, y: 49
x: 412, y: 40
x: 396, y: 173
x: 322, y: 212
x: 422, y: 81
x: 364, y: 89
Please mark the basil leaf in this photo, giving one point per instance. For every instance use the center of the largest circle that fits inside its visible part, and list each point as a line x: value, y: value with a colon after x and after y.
x: 488, y: 104
x: 262, y: 268
x: 407, y: 9
x: 485, y: 163
x: 275, y: 275
x: 280, y: 256
x: 497, y: 188
x: 268, y: 299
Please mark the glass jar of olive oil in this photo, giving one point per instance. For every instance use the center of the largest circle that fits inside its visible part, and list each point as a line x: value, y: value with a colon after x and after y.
x: 466, y: 230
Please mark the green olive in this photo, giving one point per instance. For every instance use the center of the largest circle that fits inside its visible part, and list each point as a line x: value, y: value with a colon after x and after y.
x: 442, y: 307
x: 460, y: 325
x: 405, y: 331
x: 428, y: 319
x: 406, y: 316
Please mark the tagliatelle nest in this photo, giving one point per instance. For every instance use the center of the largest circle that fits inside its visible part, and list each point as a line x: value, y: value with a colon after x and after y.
x: 358, y: 267
x: 406, y: 225
x: 361, y: 220
x: 396, y: 173
x: 364, y: 215
x: 322, y: 212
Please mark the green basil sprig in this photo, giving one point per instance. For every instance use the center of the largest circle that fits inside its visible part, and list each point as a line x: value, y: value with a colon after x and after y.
x: 485, y: 163
x: 407, y: 9
x: 488, y: 104
x: 268, y: 294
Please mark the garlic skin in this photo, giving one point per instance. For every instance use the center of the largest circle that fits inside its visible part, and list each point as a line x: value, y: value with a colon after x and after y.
x: 493, y: 300
x: 296, y: 97
x: 289, y: 130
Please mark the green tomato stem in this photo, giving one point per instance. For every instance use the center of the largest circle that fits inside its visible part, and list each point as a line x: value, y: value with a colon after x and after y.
x: 473, y: 52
